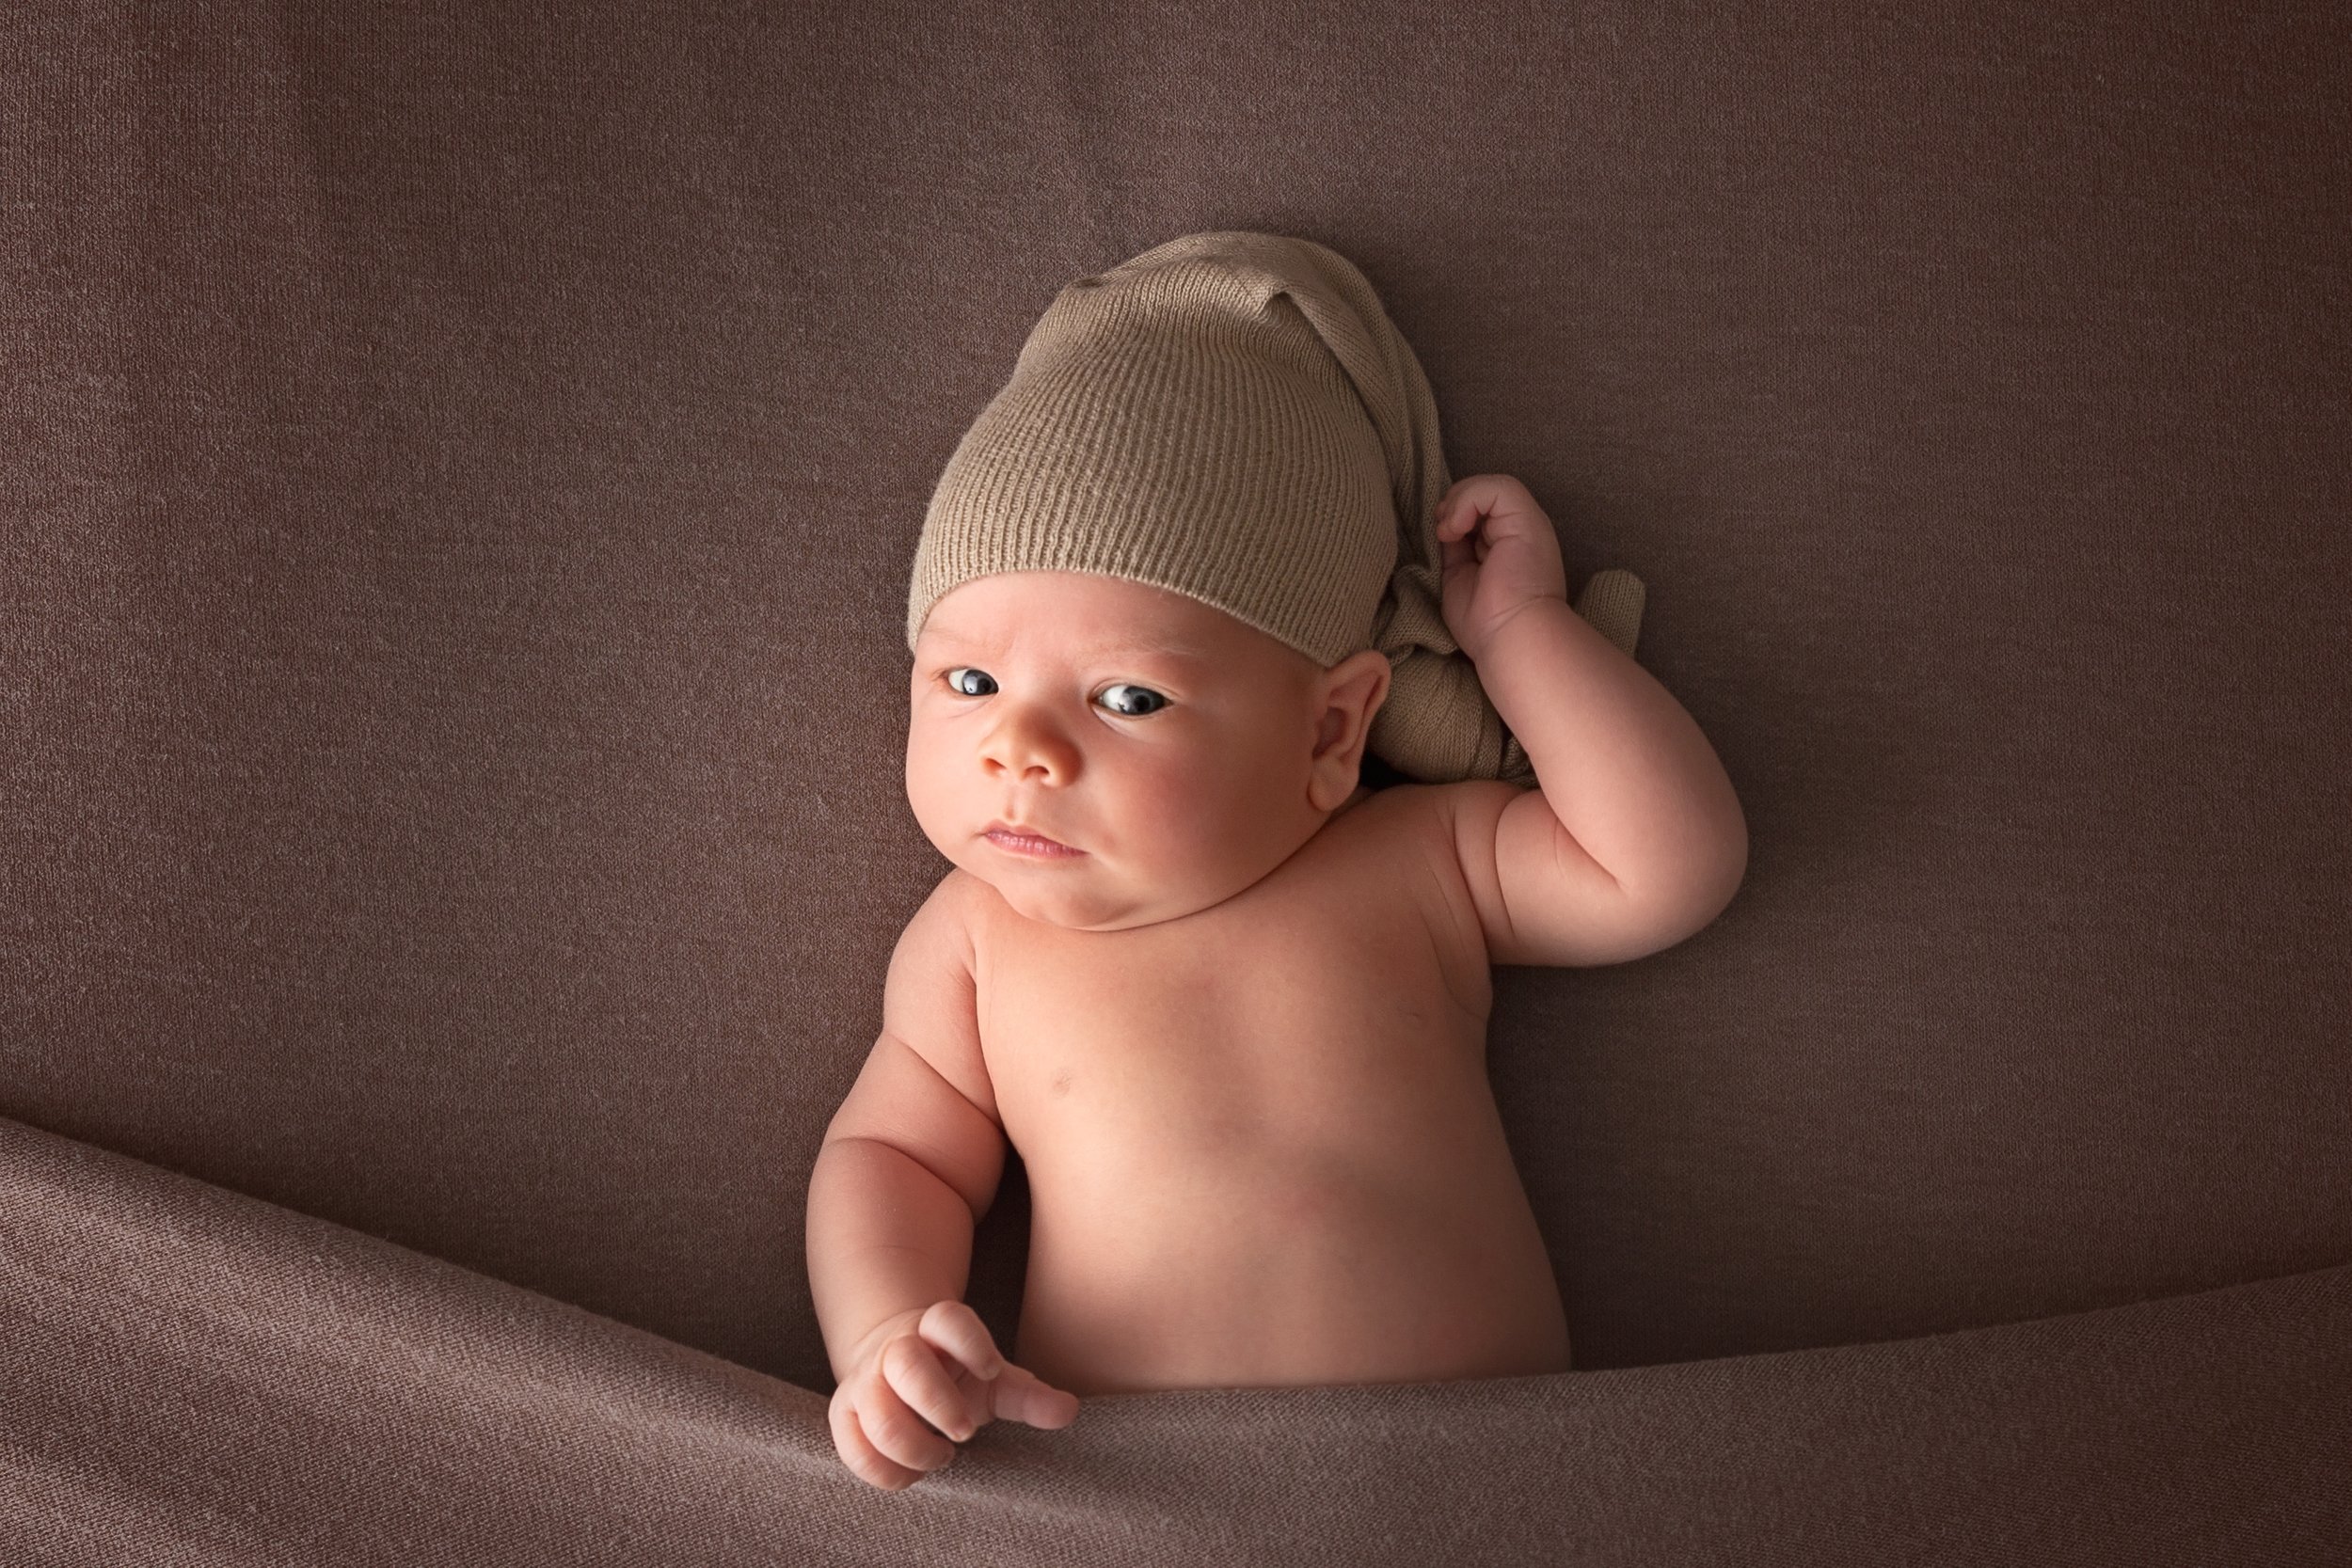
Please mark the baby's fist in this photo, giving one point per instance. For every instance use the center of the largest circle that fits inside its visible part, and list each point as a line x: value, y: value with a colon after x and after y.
x: 1500, y: 555
x: 936, y: 1365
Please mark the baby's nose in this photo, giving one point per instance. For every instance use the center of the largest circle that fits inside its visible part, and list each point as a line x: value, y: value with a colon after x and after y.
x: 1032, y: 761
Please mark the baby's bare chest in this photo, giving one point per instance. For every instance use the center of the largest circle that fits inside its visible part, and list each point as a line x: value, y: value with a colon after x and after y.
x: 1332, y: 1015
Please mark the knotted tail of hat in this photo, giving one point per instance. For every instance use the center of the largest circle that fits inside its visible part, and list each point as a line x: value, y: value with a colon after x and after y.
x: 1217, y: 299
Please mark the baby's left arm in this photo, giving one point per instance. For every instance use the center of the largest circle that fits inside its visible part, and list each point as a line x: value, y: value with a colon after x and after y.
x: 1635, y: 838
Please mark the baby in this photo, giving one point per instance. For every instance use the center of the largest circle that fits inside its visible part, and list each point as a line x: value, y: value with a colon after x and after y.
x: 1229, y: 1003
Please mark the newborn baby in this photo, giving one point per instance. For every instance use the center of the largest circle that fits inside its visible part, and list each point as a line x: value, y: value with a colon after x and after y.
x: 1228, y: 1003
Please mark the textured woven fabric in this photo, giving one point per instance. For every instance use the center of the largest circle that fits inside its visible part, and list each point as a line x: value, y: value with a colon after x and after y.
x: 190, y: 1375
x: 459, y: 470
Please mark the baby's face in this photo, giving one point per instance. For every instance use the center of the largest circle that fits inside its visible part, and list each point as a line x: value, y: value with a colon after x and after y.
x: 1182, y: 751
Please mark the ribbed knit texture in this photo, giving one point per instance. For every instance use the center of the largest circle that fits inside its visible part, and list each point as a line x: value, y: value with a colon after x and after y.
x: 1232, y: 416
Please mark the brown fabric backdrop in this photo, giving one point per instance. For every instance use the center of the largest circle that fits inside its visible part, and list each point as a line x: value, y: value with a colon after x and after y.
x: 458, y: 468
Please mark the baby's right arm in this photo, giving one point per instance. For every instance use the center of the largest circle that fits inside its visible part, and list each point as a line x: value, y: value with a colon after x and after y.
x: 910, y: 1163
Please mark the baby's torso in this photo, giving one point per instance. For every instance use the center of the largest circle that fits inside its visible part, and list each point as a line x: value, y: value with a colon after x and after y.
x: 1260, y: 1143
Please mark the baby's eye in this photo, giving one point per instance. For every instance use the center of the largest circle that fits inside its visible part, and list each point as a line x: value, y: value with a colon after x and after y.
x: 956, y: 683
x: 1155, y: 700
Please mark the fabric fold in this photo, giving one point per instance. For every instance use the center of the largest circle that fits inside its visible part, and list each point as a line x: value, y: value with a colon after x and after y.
x: 188, y: 1373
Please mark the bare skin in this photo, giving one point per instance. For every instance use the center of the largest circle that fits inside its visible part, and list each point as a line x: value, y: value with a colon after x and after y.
x: 1262, y: 1148
x: 1238, y: 1027
x: 1239, y: 1040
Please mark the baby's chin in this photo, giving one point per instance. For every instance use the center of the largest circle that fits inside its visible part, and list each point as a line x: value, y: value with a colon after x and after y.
x: 1071, y: 903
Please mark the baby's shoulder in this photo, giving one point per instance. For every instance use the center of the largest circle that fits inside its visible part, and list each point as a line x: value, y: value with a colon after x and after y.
x: 1414, y: 842
x: 1408, y: 830
x: 1419, y: 814
x: 981, y: 918
x: 1445, y: 832
x: 1442, y: 811
x: 961, y: 900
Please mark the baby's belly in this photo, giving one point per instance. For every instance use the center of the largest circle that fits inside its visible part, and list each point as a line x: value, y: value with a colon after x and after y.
x: 1247, y: 1267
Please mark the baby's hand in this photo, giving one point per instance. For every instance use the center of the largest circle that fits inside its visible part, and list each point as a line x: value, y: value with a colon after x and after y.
x: 936, y: 1365
x: 1502, y: 554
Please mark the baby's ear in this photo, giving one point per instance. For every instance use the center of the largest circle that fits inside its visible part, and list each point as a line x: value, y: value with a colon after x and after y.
x: 1351, y: 693
x: 1362, y: 680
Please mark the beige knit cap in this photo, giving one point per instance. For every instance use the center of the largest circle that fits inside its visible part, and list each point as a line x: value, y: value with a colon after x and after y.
x: 1232, y: 416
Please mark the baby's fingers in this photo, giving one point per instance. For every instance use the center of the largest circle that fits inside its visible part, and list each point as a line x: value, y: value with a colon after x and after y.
x: 1497, y: 496
x: 953, y: 1328
x: 910, y: 1370
x: 1021, y: 1395
x: 861, y: 1453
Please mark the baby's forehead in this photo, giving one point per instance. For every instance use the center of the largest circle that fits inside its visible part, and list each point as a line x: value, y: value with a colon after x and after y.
x: 1008, y: 633
x: 1083, y: 612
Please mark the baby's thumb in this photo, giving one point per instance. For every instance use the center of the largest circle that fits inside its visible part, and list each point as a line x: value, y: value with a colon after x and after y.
x: 1019, y: 1395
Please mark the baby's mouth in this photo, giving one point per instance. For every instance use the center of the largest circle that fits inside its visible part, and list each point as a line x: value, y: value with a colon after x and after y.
x: 1034, y: 845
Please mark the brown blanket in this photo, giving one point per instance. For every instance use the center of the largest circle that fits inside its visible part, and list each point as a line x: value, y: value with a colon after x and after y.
x: 459, y: 466
x: 194, y: 1376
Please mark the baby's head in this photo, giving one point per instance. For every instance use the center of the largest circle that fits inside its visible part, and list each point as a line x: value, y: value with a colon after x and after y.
x: 1222, y: 445
x: 1180, y: 751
